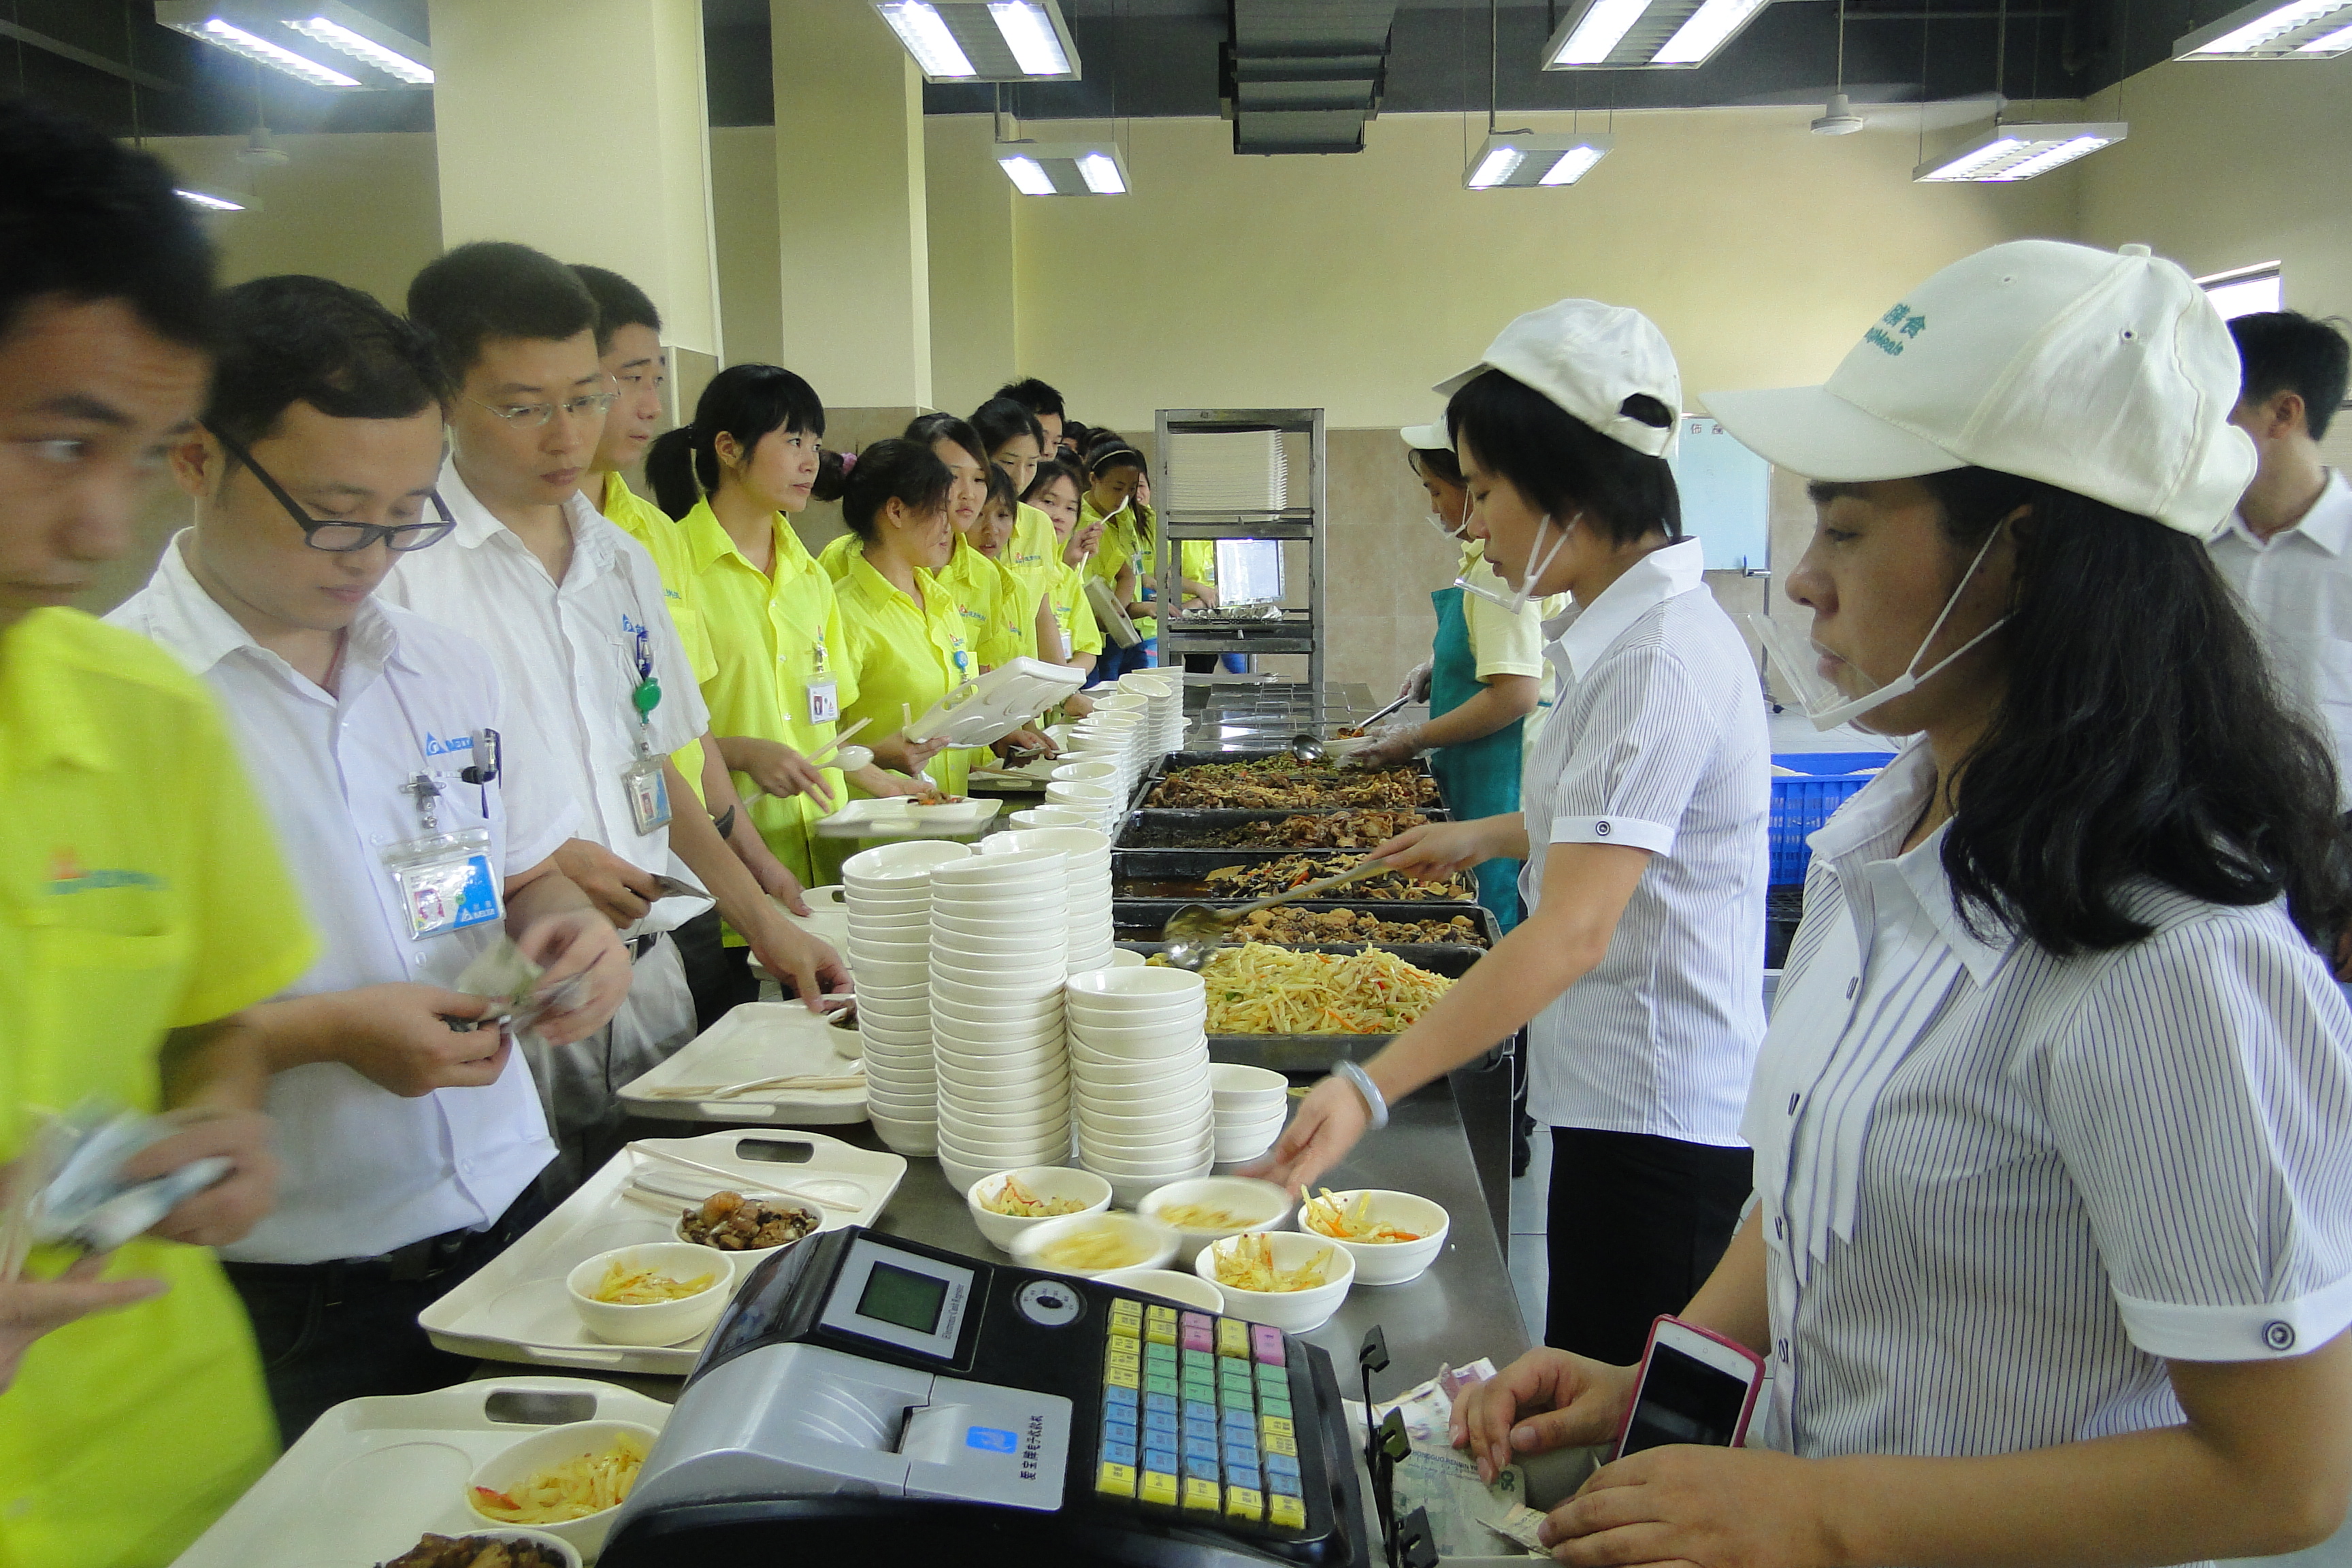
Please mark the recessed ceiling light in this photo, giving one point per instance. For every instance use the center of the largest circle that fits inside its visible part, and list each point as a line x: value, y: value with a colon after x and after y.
x: 1623, y: 35
x: 984, y: 40
x: 2267, y: 31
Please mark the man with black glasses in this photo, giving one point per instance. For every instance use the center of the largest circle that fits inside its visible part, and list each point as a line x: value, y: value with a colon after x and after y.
x: 413, y: 798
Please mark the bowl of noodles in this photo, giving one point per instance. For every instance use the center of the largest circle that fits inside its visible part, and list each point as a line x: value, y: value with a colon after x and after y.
x: 568, y: 1480
x: 658, y: 1293
x: 1393, y: 1236
x: 1290, y: 1281
x: 1209, y: 1208
x: 1087, y: 1245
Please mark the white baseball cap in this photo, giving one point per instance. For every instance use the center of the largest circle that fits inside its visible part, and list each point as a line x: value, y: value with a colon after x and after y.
x: 1427, y: 438
x: 1589, y: 358
x: 2104, y: 373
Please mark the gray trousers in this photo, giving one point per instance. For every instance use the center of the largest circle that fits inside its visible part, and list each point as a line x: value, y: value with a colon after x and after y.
x: 580, y: 1084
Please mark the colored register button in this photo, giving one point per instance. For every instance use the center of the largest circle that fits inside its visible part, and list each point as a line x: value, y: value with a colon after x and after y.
x: 1287, y: 1512
x: 1243, y: 1502
x: 1199, y: 1494
x: 1114, y: 1481
x: 1160, y: 1487
x: 1267, y: 1343
x: 1233, y: 1338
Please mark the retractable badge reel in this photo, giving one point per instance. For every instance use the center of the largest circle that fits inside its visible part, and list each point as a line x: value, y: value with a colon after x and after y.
x: 648, y: 789
x: 443, y: 879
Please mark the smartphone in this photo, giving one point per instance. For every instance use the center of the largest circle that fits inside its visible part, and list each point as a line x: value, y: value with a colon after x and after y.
x: 1695, y: 1387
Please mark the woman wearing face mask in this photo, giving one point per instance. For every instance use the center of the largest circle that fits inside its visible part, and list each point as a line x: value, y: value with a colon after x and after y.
x: 1483, y: 679
x: 2049, y: 1256
x: 1639, y: 968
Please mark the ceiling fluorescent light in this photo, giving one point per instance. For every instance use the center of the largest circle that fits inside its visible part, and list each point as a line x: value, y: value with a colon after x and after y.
x: 208, y: 200
x: 1521, y: 160
x: 2267, y: 31
x: 1102, y: 175
x: 1063, y: 168
x: 1029, y: 34
x: 1590, y: 38
x: 1706, y: 31
x: 2006, y: 153
x: 364, y: 49
x: 1028, y: 177
x: 927, y: 38
x: 237, y: 41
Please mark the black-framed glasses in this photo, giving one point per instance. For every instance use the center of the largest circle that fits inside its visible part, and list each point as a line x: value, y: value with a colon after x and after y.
x: 342, y: 538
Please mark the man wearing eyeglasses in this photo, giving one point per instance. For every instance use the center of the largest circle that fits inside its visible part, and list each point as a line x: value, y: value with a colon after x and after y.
x: 410, y: 1129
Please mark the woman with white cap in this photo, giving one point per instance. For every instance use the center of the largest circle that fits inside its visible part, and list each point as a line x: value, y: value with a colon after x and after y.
x: 2051, y: 1259
x: 1640, y: 965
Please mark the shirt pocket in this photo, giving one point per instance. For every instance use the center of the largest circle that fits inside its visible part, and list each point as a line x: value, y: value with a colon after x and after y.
x: 99, y: 1005
x: 2331, y: 660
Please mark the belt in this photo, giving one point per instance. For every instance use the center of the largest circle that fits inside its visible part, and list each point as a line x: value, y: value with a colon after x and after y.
x: 426, y: 1259
x: 639, y: 946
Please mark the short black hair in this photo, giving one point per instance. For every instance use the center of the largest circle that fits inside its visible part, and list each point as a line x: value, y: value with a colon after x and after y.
x: 1033, y: 395
x: 1438, y: 460
x: 1000, y: 491
x: 619, y: 304
x: 86, y: 219
x: 1051, y: 469
x: 2287, y: 350
x: 291, y: 339
x: 900, y: 470
x: 929, y: 429
x: 1003, y: 420
x: 1563, y: 465
x: 492, y: 289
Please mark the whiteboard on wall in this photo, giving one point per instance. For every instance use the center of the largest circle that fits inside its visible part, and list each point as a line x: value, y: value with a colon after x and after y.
x: 1726, y: 493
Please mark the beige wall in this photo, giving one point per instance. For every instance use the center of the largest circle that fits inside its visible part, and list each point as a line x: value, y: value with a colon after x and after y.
x: 743, y: 215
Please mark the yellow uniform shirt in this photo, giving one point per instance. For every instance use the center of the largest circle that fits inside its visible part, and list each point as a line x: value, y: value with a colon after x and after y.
x: 651, y: 527
x: 1080, y: 631
x: 141, y: 891
x: 773, y: 637
x: 903, y: 654
x: 990, y: 597
x: 1031, y: 554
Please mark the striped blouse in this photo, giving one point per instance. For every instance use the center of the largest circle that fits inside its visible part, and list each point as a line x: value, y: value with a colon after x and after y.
x: 1999, y: 1189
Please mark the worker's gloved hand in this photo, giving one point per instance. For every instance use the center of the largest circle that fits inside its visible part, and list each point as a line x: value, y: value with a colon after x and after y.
x: 1391, y: 744
x: 1416, y: 685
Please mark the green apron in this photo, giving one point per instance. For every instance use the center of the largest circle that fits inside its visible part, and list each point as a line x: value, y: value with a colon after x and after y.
x: 1481, y: 777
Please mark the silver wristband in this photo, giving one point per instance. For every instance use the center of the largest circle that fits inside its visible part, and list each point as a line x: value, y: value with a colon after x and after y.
x: 1373, y: 1103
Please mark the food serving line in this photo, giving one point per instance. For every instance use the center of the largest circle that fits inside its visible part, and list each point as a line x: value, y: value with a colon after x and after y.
x: 374, y: 1475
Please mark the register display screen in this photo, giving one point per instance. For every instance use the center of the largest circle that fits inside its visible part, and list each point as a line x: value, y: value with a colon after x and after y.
x: 901, y: 1296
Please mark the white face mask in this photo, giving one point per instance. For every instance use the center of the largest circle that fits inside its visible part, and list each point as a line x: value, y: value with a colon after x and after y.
x: 1439, y: 523
x: 1525, y: 589
x: 1799, y: 657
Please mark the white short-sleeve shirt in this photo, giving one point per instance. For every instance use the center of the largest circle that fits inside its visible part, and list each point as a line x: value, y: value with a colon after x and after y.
x: 1999, y: 1189
x: 567, y: 652
x: 367, y: 1171
x: 1657, y: 740
x: 2297, y: 589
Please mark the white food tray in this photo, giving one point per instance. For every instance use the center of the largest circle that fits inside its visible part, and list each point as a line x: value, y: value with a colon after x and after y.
x: 998, y: 703
x: 371, y: 1475
x: 884, y: 818
x: 516, y: 1308
x: 756, y: 1040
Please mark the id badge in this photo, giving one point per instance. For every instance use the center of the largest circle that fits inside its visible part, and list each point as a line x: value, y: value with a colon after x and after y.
x: 648, y: 795
x: 445, y: 883
x: 825, y: 701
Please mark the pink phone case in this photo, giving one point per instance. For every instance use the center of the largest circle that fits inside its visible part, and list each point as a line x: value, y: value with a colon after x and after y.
x: 1747, y: 1407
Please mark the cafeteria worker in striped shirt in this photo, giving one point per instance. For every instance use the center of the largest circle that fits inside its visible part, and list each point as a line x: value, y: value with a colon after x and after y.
x: 2051, y: 1259
x: 1639, y: 971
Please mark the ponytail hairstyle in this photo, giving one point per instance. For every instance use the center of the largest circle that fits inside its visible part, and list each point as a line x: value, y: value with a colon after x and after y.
x: 1001, y: 421
x: 904, y: 469
x: 929, y: 429
x: 1048, y: 471
x: 749, y: 402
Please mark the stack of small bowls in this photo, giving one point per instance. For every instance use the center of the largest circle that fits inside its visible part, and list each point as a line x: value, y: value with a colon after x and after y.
x: 1251, y: 1105
x: 999, y: 953
x: 1102, y: 802
x: 888, y: 893
x: 1052, y: 816
x: 1139, y: 1077
x: 1165, y: 689
x: 1111, y: 735
x: 1086, y: 854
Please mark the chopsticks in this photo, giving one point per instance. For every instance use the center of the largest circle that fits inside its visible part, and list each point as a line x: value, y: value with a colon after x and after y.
x: 735, y: 1180
x: 787, y: 1080
x: 840, y: 739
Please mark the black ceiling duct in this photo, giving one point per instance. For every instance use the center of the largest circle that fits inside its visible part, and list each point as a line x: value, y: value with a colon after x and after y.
x: 1303, y: 76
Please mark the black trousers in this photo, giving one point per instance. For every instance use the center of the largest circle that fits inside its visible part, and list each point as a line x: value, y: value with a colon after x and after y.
x: 718, y: 976
x: 344, y: 1330
x: 1637, y: 1224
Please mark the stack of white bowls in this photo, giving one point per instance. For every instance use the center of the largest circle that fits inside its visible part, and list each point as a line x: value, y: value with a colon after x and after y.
x: 1087, y: 855
x: 1250, y: 1104
x: 999, y: 953
x: 1100, y: 802
x: 1165, y: 690
x: 1139, y: 1077
x: 1052, y: 816
x: 888, y: 894
x: 1111, y: 735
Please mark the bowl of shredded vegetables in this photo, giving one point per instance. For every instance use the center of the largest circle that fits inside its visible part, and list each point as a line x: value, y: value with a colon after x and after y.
x: 1091, y: 1244
x: 659, y: 1293
x: 1293, y: 1281
x: 567, y: 1480
x: 1007, y: 1202
x: 1393, y: 1236
x: 1209, y: 1208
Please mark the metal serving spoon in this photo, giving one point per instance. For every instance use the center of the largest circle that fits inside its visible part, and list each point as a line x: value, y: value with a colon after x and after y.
x: 1195, y: 932
x: 1308, y: 749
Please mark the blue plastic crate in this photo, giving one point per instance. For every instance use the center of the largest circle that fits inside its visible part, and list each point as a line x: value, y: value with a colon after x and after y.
x: 1800, y: 805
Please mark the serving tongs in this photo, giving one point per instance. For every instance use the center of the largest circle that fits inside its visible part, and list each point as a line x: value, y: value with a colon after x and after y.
x: 1195, y: 932
x: 1307, y: 748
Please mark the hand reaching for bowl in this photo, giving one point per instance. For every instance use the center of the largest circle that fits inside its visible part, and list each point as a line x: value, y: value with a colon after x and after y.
x: 1327, y: 1125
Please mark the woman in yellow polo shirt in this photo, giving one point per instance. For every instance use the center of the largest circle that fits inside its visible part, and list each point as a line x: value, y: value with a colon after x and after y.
x: 1015, y: 441
x: 902, y: 630
x: 989, y: 594
x: 1054, y: 492
x: 780, y: 678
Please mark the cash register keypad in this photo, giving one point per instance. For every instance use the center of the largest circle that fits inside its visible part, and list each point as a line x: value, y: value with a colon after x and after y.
x: 1196, y: 1417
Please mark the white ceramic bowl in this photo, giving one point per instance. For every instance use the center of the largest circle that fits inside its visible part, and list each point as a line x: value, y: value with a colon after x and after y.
x: 1390, y: 1262
x: 1041, y: 944
x: 946, y: 813
x: 985, y: 923
x: 1127, y: 959
x: 1152, y: 1045
x: 1185, y: 1289
x: 996, y: 901
x: 1242, y: 1150
x: 1255, y: 1205
x: 1236, y: 1079
x: 1037, y: 1146
x: 1081, y: 847
x: 1006, y: 987
x: 1151, y: 1128
x: 519, y: 1461
x: 1145, y: 1244
x: 1082, y: 773
x: 911, y: 860
x: 890, y: 977
x: 1045, y: 1182
x: 1292, y: 1312
x: 915, y: 1138
x: 1133, y: 1190
x: 1051, y: 817
x: 1146, y: 988
x: 999, y: 1015
x: 1109, y: 1101
x: 1176, y: 1012
x: 1104, y: 1070
x: 1172, y: 1156
x: 1019, y: 866
x: 656, y: 1322
x: 912, y: 991
x: 1161, y: 1168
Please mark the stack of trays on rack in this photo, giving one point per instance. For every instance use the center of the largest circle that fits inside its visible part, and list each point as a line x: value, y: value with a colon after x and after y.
x: 1164, y: 691
x: 1251, y: 1105
x: 1139, y: 1077
x: 888, y: 891
x: 1226, y: 470
x: 999, y: 954
x: 1086, y: 854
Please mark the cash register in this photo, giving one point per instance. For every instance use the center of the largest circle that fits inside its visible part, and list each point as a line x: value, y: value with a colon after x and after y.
x: 868, y: 1394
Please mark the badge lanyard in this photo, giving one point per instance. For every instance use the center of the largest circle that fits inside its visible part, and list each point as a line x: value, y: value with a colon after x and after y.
x: 445, y: 880
x: 648, y: 788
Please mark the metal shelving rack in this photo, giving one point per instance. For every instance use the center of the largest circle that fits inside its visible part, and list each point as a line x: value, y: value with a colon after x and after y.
x: 1294, y: 633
